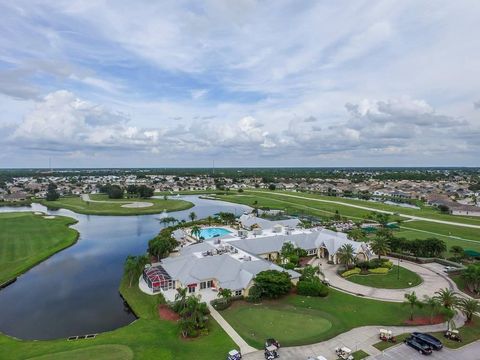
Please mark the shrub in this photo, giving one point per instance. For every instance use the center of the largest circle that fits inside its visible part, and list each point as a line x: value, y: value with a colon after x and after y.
x: 289, y: 266
x: 387, y: 264
x: 354, y: 271
x: 381, y: 270
x: 220, y: 304
x: 312, y: 288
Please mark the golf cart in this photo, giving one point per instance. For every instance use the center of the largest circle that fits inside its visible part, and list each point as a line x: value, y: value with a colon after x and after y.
x: 271, y: 352
x: 344, y: 353
x: 319, y: 357
x: 273, y: 342
x: 234, y: 355
x: 386, y: 335
x: 453, y: 335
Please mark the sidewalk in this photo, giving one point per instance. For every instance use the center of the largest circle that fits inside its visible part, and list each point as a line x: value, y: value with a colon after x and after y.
x: 242, y: 344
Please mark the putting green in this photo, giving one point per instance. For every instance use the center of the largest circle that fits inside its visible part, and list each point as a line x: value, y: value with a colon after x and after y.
x: 288, y: 324
x: 100, y: 352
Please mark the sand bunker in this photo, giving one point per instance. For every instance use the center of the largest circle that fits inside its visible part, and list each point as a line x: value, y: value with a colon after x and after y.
x: 49, y: 217
x: 138, y: 205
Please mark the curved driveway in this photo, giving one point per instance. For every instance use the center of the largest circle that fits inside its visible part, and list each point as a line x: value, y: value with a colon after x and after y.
x: 432, y: 281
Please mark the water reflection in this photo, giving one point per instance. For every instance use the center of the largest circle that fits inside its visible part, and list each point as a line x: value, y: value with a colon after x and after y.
x: 76, y: 291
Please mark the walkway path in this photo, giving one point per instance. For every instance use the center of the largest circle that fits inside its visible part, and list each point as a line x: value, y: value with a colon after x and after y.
x: 242, y: 344
x: 432, y: 281
x: 361, y: 338
x: 374, y: 209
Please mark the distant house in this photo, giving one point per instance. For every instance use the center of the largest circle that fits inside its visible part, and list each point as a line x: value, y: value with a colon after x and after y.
x: 250, y: 221
x: 18, y: 196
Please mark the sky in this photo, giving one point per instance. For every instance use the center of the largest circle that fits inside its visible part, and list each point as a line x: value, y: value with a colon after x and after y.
x: 242, y: 83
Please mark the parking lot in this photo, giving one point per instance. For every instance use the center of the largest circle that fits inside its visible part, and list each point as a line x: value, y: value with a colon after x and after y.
x: 404, y: 352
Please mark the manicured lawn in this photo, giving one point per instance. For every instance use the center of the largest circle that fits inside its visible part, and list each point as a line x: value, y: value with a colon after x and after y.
x: 100, y: 352
x: 389, y: 281
x: 383, y: 345
x: 468, y: 333
x: 148, y: 338
x: 360, y: 354
x: 27, y: 239
x: 114, y: 206
x: 343, y: 311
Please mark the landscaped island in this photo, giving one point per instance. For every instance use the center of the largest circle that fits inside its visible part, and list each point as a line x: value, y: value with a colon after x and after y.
x: 27, y: 239
x: 101, y: 205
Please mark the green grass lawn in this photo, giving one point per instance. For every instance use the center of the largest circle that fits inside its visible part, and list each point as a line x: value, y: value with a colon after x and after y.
x: 147, y: 338
x: 424, y: 211
x: 114, y: 206
x: 388, y: 281
x: 451, y: 234
x: 360, y: 354
x: 255, y: 323
x: 27, y: 239
x: 468, y: 333
x: 383, y: 345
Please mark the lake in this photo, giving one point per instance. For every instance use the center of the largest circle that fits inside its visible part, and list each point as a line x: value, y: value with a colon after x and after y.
x: 75, y: 292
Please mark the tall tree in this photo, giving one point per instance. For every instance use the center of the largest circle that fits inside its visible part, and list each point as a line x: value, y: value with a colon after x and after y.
x: 469, y: 307
x: 346, y: 255
x: 432, y: 304
x: 448, y: 298
x: 195, y: 231
x: 380, y: 246
x: 412, y: 301
x: 192, y: 216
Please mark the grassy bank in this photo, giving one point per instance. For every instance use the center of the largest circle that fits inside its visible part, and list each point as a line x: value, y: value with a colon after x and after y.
x: 114, y: 206
x: 147, y: 338
x: 337, y: 313
x: 27, y: 239
x: 406, y: 279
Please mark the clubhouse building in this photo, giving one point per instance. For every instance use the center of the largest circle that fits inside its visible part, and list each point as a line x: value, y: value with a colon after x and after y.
x: 231, y: 261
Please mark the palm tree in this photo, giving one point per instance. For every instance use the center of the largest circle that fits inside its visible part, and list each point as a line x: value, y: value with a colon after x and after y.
x: 346, y: 255
x: 432, y: 303
x: 448, y: 298
x: 412, y: 301
x: 469, y: 307
x: 225, y: 294
x: 192, y: 216
x: 209, y: 220
x: 380, y: 246
x: 195, y: 231
x: 129, y: 269
x: 180, y: 299
x: 457, y: 251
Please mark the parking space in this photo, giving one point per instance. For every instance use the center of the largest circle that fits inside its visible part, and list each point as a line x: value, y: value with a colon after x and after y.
x: 404, y: 352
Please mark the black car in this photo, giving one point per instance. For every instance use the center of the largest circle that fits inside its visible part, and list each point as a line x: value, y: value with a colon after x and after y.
x: 428, y: 339
x: 421, y: 347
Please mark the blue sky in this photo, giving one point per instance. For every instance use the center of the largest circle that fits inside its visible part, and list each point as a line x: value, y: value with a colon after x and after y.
x: 244, y: 83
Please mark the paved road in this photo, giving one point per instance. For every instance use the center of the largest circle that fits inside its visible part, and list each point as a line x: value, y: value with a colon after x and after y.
x: 432, y: 281
x: 376, y: 210
x: 403, y: 352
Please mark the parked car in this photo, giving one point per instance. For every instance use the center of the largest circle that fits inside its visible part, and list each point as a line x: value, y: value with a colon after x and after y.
x: 421, y: 347
x: 234, y: 355
x: 273, y: 342
x: 428, y: 339
x: 449, y: 268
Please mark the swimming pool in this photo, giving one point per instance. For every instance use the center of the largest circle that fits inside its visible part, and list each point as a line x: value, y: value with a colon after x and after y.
x: 208, y: 233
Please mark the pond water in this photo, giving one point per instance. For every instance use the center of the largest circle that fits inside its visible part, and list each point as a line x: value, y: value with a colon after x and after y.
x: 75, y: 291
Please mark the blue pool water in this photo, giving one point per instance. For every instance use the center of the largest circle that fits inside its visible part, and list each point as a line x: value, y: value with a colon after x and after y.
x: 209, y: 233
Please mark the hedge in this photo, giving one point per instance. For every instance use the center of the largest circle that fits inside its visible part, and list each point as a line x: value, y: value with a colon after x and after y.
x: 354, y: 271
x: 381, y: 270
x: 312, y: 288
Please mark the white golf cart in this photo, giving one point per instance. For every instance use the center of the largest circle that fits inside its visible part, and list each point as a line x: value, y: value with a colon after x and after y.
x: 344, y: 353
